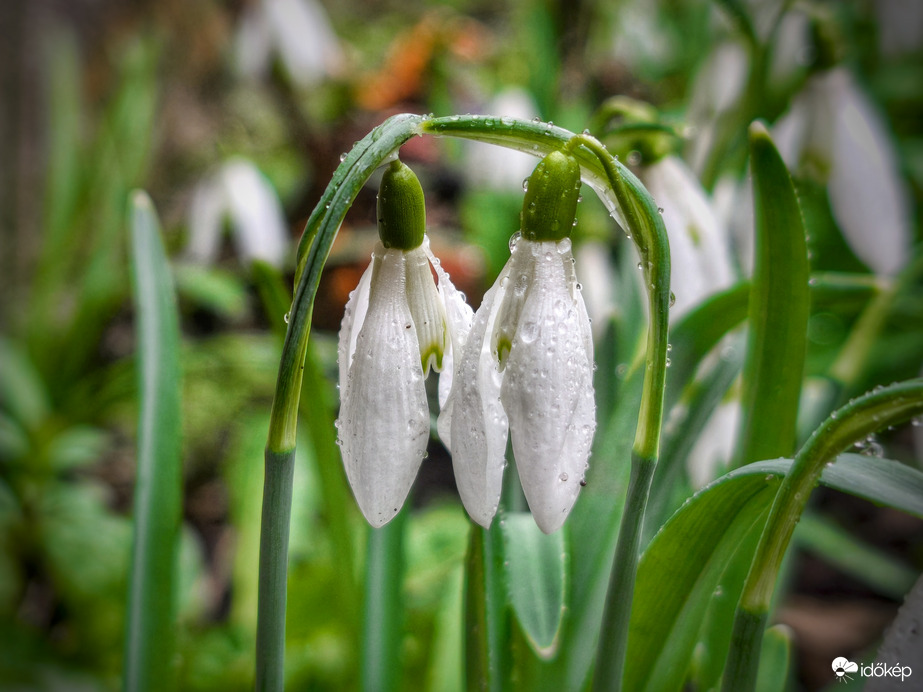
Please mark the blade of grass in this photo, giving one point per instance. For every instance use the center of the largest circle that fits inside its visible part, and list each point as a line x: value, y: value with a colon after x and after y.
x: 149, y: 639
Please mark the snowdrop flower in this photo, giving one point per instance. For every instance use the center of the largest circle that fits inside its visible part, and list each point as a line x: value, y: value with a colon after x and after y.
x: 238, y: 191
x: 527, y: 367
x: 834, y: 129
x: 700, y: 266
x: 718, y: 87
x: 398, y: 324
x: 700, y: 260
x: 299, y: 31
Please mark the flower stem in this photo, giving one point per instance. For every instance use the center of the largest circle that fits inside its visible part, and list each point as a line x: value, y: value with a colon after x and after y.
x: 610, y: 659
x: 381, y: 629
x: 274, y: 528
x: 320, y: 231
x: 644, y: 224
x: 853, y: 422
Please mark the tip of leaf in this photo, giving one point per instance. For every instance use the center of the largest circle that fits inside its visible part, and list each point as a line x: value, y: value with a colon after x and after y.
x: 758, y: 130
x: 139, y: 198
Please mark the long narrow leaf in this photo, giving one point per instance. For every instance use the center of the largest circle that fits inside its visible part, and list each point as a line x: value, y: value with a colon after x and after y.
x: 149, y: 641
x: 779, y: 306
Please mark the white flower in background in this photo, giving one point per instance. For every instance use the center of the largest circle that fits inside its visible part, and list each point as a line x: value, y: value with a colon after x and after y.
x: 718, y: 86
x: 240, y: 193
x: 298, y: 31
x: 700, y: 259
x: 527, y: 367
x: 700, y: 266
x: 398, y: 324
x: 711, y: 452
x: 834, y: 131
x: 600, y: 283
x: 492, y: 167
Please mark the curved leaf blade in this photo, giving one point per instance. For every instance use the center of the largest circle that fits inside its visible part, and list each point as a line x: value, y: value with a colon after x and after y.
x: 779, y: 307
x: 149, y: 639
x: 682, y: 566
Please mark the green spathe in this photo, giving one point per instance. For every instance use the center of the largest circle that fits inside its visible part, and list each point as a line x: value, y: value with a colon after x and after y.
x: 550, y: 203
x: 401, y: 212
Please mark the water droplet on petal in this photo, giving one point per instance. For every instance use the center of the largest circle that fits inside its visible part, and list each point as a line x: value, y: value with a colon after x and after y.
x: 515, y: 239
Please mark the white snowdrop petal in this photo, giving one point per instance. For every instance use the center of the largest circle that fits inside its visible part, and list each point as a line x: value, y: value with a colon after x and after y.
x: 306, y: 42
x: 206, y: 215
x: 426, y: 308
x: 548, y: 392
x: 472, y: 423
x: 260, y: 230
x: 712, y: 450
x: 353, y: 318
x: 459, y: 317
x: 699, y: 248
x: 384, y: 420
x: 867, y: 195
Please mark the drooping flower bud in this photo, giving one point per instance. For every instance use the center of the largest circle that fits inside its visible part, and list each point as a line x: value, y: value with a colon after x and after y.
x: 550, y: 203
x: 398, y: 325
x: 526, y: 370
x: 401, y: 210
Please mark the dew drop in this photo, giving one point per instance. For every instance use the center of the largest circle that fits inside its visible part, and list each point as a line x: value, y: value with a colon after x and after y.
x: 562, y: 477
x: 342, y: 157
x: 525, y: 184
x: 515, y: 239
x: 672, y: 299
x: 286, y: 317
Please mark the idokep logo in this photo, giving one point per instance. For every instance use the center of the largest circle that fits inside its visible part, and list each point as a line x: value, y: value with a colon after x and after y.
x: 845, y: 670
x: 841, y: 667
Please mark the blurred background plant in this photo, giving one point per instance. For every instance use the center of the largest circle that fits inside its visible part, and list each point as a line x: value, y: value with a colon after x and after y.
x: 233, y: 115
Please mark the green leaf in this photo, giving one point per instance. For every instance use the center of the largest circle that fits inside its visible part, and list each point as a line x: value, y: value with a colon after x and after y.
x: 213, y: 289
x: 149, y: 640
x: 536, y: 568
x: 881, y: 571
x: 775, y: 659
x: 22, y: 392
x: 779, y: 307
x: 682, y: 567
